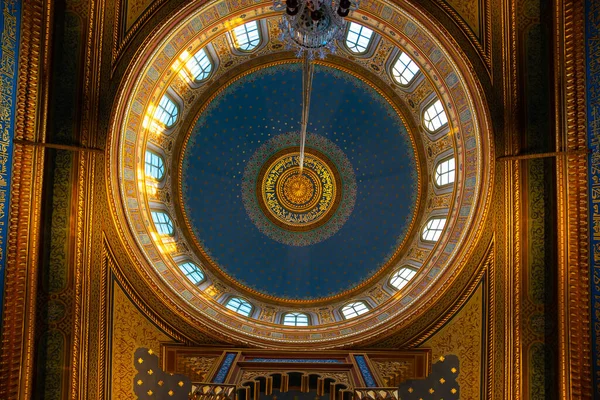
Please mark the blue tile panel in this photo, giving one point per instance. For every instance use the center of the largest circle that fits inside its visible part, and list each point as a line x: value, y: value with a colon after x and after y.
x: 593, y: 118
x: 365, y: 371
x: 225, y: 367
x: 10, y: 34
x: 294, y: 360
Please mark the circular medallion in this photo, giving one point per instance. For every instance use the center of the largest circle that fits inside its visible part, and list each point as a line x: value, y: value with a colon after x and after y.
x: 296, y: 208
x: 298, y: 201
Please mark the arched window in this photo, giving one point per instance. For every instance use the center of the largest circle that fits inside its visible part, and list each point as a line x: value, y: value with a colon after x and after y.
x: 433, y: 229
x: 354, y: 309
x: 162, y: 222
x: 240, y: 306
x: 401, y: 277
x: 199, y: 66
x: 435, y: 116
x: 358, y: 38
x: 445, y: 172
x: 192, y: 272
x: 166, y: 112
x: 247, y: 37
x: 404, y: 69
x: 155, y: 165
x: 295, y: 319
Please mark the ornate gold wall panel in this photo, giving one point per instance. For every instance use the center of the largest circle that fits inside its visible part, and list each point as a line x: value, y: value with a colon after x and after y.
x: 130, y: 330
x: 464, y: 336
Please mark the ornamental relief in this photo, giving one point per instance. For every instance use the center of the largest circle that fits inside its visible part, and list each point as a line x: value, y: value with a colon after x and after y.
x: 393, y: 372
x: 251, y: 375
x: 267, y: 314
x: 196, y: 368
x: 378, y: 294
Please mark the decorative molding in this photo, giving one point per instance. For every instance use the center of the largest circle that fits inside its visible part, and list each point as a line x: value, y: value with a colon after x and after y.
x: 575, y: 361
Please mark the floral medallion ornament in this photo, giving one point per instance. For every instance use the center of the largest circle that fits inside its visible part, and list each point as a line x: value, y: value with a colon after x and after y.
x: 296, y: 208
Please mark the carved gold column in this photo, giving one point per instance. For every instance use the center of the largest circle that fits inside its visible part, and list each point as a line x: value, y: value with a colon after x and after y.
x: 574, y: 344
x: 16, y: 366
x: 508, y: 271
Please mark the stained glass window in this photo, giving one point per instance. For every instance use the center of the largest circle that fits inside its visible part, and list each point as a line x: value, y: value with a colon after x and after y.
x: 247, y: 36
x: 444, y: 172
x: 162, y: 222
x: 433, y: 229
x: 358, y: 38
x: 354, y: 309
x: 166, y: 112
x: 192, y: 272
x: 402, y: 277
x: 240, y: 306
x: 155, y: 166
x: 435, y: 116
x: 295, y: 319
x: 199, y: 65
x: 404, y: 69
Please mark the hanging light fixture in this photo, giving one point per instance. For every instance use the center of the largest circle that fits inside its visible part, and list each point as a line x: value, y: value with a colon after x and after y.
x: 312, y: 26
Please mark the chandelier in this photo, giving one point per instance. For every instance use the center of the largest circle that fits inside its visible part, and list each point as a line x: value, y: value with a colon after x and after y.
x: 312, y: 26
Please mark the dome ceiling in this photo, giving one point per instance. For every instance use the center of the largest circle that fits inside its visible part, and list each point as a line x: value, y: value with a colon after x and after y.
x: 207, y: 199
x: 330, y: 231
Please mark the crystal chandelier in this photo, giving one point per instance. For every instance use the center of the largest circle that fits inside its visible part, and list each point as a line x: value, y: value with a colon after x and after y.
x: 312, y: 26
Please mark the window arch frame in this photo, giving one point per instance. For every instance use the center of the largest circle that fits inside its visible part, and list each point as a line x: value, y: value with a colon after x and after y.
x: 242, y: 302
x: 162, y: 160
x: 428, y: 106
x: 295, y: 314
x: 159, y: 224
x: 208, y: 54
x: 425, y: 226
x: 373, y: 38
x: 435, y: 172
x: 392, y: 67
x: 396, y: 274
x: 352, y: 304
x: 196, y: 269
x: 260, y: 29
x: 177, y: 109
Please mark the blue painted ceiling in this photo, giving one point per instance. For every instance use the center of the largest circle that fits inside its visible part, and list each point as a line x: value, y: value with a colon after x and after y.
x: 345, y: 110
